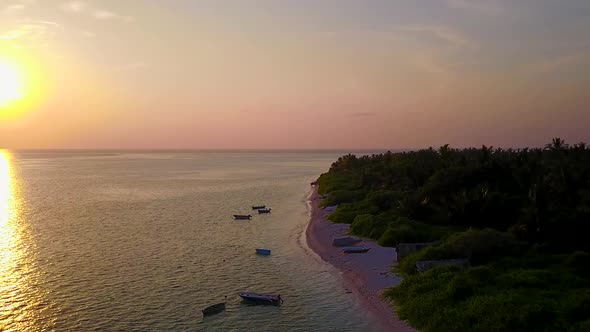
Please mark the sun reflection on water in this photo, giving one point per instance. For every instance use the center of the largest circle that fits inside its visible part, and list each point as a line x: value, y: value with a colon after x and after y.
x: 7, y: 214
x: 8, y: 243
x: 16, y: 297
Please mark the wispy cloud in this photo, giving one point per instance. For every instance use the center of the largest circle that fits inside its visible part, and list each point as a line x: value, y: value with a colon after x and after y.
x: 559, y: 63
x: 74, y: 6
x: 31, y: 30
x: 443, y: 33
x: 109, y: 15
x: 13, y: 8
x: 81, y: 7
x: 27, y: 30
x: 482, y: 6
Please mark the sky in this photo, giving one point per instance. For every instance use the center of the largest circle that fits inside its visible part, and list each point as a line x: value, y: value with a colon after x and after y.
x: 295, y: 74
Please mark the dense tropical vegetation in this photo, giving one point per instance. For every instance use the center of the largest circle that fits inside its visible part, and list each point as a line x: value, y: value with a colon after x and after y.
x: 521, y: 217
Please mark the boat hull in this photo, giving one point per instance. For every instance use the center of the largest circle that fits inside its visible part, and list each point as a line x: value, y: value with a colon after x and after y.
x: 268, y: 299
x: 355, y: 250
x: 214, y: 309
x: 263, y: 252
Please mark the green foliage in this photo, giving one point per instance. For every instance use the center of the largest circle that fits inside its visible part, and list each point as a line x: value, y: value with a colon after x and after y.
x: 526, y: 213
x: 479, y: 246
x: 346, y: 212
x: 369, y: 225
x: 404, y: 230
x: 337, y: 197
x: 494, y: 298
x: 385, y: 199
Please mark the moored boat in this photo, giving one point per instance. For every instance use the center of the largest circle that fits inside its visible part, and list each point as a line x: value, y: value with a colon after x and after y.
x: 355, y: 250
x: 345, y: 241
x: 262, y: 298
x: 242, y: 216
x: 264, y: 252
x: 214, y: 309
x: 261, y: 211
x: 258, y: 207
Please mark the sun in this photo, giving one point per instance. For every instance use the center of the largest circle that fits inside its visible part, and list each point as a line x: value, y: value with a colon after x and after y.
x: 11, y: 84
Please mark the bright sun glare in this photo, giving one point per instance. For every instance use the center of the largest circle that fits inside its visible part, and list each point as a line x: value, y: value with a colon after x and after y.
x: 11, y: 85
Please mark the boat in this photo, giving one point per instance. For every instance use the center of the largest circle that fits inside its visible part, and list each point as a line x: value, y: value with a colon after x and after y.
x: 331, y: 208
x: 242, y: 216
x: 264, y: 252
x: 262, y: 298
x: 214, y: 309
x: 346, y: 241
x: 261, y: 211
x: 355, y: 250
x: 258, y: 207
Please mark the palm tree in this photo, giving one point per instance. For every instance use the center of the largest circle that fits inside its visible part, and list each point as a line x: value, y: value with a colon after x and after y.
x: 557, y: 144
x: 580, y: 146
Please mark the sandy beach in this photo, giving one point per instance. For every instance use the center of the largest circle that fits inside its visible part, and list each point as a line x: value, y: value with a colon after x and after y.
x: 366, y: 275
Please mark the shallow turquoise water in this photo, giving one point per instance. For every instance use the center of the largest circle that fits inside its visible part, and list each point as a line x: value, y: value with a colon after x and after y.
x: 141, y: 241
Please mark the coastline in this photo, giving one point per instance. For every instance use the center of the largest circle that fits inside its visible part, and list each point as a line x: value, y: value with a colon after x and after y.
x: 366, y: 275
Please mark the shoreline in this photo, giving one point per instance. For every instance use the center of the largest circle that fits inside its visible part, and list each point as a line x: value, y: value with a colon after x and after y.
x: 366, y: 275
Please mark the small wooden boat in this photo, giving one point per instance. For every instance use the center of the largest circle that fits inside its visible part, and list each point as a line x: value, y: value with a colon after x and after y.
x: 355, y: 250
x: 214, y: 309
x: 242, y: 216
x: 331, y: 208
x: 261, y: 211
x: 345, y: 241
x: 264, y: 252
x: 258, y: 207
x: 262, y: 298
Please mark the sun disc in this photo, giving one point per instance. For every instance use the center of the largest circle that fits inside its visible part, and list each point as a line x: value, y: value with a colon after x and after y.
x: 11, y: 86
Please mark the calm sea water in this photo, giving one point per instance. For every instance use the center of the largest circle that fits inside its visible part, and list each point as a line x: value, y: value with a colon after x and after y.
x: 143, y: 241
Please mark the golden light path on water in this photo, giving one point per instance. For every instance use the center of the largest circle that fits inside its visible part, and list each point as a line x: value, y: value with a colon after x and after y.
x: 8, y: 245
x: 16, y: 296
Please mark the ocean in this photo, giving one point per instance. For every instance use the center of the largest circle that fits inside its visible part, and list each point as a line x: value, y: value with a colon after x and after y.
x: 143, y: 241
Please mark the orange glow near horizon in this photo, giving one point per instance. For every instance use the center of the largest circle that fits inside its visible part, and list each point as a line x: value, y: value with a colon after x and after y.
x: 315, y: 75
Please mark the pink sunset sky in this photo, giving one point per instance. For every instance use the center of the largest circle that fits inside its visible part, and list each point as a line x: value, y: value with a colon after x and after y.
x: 297, y: 74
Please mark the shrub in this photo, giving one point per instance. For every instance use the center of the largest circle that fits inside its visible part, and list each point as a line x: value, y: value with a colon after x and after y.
x: 384, y: 199
x: 406, y: 230
x: 342, y: 196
